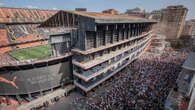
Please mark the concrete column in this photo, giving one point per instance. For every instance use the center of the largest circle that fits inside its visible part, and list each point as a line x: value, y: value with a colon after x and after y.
x: 129, y: 33
x: 136, y: 29
x: 143, y: 28
x: 51, y: 89
x: 41, y: 93
x: 123, y: 32
x: 117, y: 34
x: 126, y: 33
x: 112, y: 36
x: 139, y: 27
x: 96, y: 39
x: 105, y: 37
x: 30, y: 96
x: 133, y: 30
x: 147, y: 27
x: 130, y: 30
x: 85, y: 41
x: 95, y: 28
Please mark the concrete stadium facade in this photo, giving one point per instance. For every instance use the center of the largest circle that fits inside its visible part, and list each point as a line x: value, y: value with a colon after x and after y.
x: 102, y: 44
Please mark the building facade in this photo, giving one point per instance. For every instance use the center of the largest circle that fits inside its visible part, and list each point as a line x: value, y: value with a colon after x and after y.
x: 187, y: 30
x: 137, y: 12
x: 156, y: 15
x: 192, y: 24
x: 172, y: 21
x: 80, y: 9
x: 104, y: 43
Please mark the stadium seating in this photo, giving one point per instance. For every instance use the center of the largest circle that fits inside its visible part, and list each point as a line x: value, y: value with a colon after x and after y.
x: 3, y: 37
x: 19, y: 28
x: 5, y: 59
x: 11, y: 15
x: 4, y: 41
x: 32, y: 44
x: 22, y: 31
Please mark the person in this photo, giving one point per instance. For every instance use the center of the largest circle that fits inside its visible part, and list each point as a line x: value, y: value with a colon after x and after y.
x: 146, y: 86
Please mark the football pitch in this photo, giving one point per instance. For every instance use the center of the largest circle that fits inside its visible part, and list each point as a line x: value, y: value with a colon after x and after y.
x: 38, y: 52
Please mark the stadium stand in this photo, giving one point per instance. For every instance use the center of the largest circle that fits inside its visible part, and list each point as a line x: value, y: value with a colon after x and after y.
x: 5, y: 59
x: 18, y: 28
x: 3, y: 37
x: 3, y: 41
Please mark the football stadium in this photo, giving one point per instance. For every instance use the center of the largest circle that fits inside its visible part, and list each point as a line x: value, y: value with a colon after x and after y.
x: 44, y: 50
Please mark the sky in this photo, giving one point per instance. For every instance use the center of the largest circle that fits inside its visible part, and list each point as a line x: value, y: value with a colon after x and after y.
x: 100, y: 5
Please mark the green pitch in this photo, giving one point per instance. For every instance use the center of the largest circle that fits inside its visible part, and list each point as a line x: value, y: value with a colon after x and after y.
x: 39, y: 52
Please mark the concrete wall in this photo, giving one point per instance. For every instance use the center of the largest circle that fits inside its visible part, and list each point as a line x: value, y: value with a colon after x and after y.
x: 85, y: 24
x: 172, y: 21
x: 32, y: 80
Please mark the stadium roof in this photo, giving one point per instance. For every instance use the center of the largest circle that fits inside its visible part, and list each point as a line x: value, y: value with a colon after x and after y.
x: 190, y: 62
x: 71, y: 18
x: 112, y: 18
x: 105, y: 15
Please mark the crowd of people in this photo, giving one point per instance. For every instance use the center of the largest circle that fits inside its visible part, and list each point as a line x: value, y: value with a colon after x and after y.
x: 143, y: 85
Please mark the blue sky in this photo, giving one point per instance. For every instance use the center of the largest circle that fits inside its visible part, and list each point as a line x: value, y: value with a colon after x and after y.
x: 99, y: 5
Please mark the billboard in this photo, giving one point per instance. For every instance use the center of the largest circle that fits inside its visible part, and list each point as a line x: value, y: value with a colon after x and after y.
x: 35, y: 79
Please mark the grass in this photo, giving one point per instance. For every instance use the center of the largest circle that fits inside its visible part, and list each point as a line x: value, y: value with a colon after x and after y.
x: 38, y: 52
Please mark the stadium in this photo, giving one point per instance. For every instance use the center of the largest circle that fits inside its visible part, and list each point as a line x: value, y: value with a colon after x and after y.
x: 27, y: 67
x: 43, y: 50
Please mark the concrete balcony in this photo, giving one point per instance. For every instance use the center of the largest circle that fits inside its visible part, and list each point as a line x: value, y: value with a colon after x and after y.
x: 87, y: 77
x: 107, y: 57
x: 92, y: 85
x: 88, y: 87
x: 109, y: 45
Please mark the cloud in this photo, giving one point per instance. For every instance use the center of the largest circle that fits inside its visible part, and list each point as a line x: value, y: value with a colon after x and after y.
x: 1, y: 4
x: 31, y: 7
x: 54, y: 8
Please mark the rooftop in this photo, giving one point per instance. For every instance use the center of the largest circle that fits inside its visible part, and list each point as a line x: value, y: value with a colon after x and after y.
x: 190, y: 62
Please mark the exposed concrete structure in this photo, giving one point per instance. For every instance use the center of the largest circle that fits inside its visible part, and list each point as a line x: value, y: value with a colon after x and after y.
x: 104, y: 43
x: 60, y: 44
x: 172, y: 21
